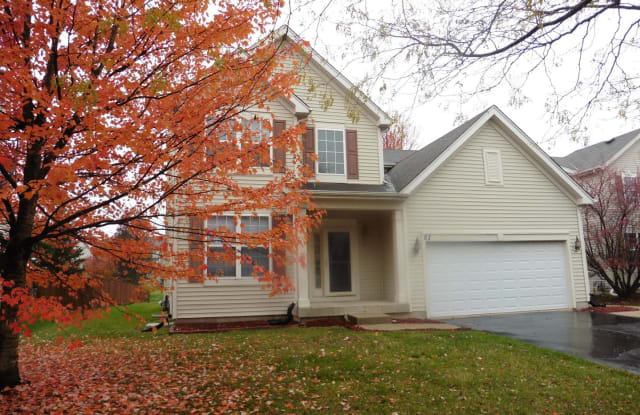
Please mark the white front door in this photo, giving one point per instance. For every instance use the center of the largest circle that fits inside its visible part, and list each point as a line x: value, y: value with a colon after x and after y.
x: 468, y: 278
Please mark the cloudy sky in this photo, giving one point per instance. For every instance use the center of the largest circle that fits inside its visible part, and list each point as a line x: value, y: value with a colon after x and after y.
x: 436, y: 117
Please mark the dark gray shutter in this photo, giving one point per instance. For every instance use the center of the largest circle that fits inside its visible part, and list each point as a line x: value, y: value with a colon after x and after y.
x: 352, y: 154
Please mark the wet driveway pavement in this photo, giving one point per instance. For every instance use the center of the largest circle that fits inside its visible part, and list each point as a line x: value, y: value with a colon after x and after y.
x: 604, y: 338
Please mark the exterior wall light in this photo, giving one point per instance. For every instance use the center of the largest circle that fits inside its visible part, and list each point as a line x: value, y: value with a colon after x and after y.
x: 577, y: 244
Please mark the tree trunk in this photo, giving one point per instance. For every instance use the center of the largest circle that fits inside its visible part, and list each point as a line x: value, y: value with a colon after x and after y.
x: 9, y: 373
x: 14, y: 269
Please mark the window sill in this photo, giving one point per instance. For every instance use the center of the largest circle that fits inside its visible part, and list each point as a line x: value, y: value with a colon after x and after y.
x: 331, y: 178
x: 232, y: 282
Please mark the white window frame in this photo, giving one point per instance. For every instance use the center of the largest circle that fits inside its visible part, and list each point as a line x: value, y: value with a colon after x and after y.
x: 237, y: 247
x: 623, y: 176
x: 332, y: 177
x: 485, y: 153
x: 249, y: 115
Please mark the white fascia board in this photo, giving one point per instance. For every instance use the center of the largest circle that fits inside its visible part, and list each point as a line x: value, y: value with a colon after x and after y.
x: 384, y: 120
x: 581, y: 197
x: 301, y: 108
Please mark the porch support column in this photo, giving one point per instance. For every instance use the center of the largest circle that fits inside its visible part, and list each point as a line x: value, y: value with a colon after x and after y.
x: 401, y: 294
x: 302, y: 278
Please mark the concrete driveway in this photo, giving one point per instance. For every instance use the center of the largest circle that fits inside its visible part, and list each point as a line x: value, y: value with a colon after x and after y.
x: 604, y: 338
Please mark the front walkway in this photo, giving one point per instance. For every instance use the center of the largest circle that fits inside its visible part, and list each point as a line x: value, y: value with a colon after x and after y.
x: 604, y: 338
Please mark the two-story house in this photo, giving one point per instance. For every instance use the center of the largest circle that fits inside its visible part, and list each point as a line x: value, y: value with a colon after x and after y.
x: 479, y: 221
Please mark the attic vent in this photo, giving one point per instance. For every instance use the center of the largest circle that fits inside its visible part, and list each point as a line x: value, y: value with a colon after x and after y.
x: 492, y: 166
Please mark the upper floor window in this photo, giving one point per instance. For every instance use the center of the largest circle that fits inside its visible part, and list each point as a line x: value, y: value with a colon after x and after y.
x: 243, y: 128
x: 630, y: 186
x: 331, y: 151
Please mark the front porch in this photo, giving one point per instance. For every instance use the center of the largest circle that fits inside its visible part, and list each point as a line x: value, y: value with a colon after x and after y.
x: 320, y: 309
x: 354, y: 264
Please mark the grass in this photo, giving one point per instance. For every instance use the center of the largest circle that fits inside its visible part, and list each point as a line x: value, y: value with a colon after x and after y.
x: 114, y: 324
x: 326, y: 370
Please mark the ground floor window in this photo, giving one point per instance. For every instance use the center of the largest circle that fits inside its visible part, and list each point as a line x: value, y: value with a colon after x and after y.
x: 226, y: 227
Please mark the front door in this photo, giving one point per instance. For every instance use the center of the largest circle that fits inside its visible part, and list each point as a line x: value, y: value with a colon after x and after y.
x: 339, y: 249
x: 339, y: 258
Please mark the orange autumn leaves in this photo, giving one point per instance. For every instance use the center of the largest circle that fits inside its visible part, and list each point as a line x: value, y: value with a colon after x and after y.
x: 112, y: 115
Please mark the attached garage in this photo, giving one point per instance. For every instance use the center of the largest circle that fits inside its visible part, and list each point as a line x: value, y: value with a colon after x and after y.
x: 468, y: 278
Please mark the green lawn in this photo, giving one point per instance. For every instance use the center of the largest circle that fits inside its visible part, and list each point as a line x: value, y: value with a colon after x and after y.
x: 300, y: 370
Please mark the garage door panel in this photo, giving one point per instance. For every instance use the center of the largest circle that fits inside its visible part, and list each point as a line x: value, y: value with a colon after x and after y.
x: 466, y: 278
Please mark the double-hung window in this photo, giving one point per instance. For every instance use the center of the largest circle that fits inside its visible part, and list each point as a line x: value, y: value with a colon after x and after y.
x: 629, y: 183
x: 238, y: 267
x: 331, y: 151
x: 249, y: 126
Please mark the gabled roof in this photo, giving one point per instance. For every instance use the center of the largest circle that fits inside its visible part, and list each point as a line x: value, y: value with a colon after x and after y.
x: 599, y: 154
x: 409, y: 173
x: 409, y: 168
x: 382, y: 117
x: 393, y: 156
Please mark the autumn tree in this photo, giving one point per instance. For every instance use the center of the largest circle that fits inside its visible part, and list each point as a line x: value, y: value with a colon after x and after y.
x: 611, y: 225
x: 402, y: 134
x: 582, y: 51
x: 109, y: 112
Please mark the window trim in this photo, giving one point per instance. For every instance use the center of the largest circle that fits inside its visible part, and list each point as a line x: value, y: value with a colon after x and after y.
x: 237, y: 247
x: 623, y: 176
x: 267, y: 116
x: 333, y: 177
x: 485, y: 153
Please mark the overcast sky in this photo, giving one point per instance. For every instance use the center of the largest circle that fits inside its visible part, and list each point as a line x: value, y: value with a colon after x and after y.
x: 437, y: 117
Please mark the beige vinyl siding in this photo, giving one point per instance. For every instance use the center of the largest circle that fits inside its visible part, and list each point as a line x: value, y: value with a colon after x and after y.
x: 629, y: 162
x: 228, y: 299
x: 330, y: 104
x: 455, y: 199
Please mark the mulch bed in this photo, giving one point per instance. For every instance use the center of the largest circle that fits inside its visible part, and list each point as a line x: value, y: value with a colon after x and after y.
x: 184, y: 328
x: 609, y: 309
x: 615, y: 300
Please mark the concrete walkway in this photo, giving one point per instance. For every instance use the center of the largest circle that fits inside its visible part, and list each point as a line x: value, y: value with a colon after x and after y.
x: 408, y: 326
x: 634, y: 314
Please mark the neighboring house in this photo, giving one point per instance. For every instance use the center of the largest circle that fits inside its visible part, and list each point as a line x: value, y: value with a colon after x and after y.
x: 620, y: 154
x: 479, y: 221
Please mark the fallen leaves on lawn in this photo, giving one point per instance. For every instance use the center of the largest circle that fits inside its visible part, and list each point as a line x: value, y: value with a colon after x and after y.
x: 125, y: 376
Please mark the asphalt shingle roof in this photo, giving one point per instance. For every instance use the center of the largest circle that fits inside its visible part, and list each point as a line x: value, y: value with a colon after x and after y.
x: 393, y: 157
x: 596, y: 155
x: 409, y: 168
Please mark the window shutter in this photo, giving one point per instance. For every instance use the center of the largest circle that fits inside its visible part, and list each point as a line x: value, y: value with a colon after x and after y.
x: 309, y: 144
x: 279, y: 153
x: 279, y: 255
x: 620, y: 189
x: 492, y: 167
x: 196, y: 246
x: 352, y: 154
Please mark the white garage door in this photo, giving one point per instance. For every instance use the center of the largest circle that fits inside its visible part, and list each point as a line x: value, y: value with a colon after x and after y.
x: 467, y: 278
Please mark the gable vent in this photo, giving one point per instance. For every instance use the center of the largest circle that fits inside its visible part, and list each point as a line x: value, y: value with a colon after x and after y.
x: 492, y: 166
